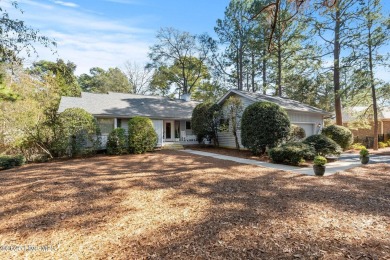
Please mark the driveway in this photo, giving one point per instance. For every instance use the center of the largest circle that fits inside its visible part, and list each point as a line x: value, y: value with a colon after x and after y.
x: 345, y: 162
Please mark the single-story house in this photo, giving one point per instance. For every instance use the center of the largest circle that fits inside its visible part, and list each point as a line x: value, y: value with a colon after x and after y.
x: 171, y: 117
x: 310, y: 118
x: 350, y: 118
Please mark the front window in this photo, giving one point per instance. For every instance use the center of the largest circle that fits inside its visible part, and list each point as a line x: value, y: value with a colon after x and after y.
x: 188, y: 125
x: 106, y: 125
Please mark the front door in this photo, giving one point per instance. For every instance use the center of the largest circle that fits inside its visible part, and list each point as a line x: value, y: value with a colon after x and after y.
x: 169, y: 130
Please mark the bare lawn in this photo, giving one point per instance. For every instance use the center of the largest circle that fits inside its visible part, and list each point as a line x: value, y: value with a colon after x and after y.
x: 174, y: 205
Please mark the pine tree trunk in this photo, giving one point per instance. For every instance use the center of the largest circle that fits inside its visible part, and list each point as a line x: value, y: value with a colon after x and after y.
x: 264, y: 71
x: 279, y: 80
x: 238, y: 69
x: 253, y: 73
x: 279, y: 53
x: 372, y: 84
x: 240, y: 64
x: 336, y: 68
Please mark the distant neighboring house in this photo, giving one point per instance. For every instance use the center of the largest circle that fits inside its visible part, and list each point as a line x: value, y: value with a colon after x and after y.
x: 311, y: 119
x: 171, y: 117
x: 350, y: 116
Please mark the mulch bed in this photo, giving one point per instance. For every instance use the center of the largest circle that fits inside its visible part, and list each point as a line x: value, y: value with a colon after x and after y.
x: 174, y: 205
x: 246, y: 154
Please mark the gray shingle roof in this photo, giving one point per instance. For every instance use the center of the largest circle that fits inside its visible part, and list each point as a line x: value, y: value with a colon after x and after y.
x: 130, y: 105
x: 285, y: 103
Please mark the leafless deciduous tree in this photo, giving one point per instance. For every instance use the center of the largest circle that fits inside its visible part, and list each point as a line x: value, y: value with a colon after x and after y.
x: 139, y: 77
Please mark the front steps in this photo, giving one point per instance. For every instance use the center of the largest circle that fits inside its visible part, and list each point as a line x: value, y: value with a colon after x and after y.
x: 174, y: 146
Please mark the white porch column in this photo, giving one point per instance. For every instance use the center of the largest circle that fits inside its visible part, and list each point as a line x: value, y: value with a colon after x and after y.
x: 115, y: 123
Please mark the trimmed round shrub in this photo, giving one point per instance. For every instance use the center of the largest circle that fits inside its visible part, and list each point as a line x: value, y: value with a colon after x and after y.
x: 320, y: 160
x: 117, y: 142
x: 292, y: 153
x: 263, y: 125
x: 80, y: 132
x: 10, y: 161
x: 364, y: 152
x: 297, y: 133
x: 340, y: 134
x: 142, y: 136
x: 323, y: 145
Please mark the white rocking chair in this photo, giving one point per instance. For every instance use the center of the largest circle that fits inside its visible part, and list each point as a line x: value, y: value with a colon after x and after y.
x: 183, y: 136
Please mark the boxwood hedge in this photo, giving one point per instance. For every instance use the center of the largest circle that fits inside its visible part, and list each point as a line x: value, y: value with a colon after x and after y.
x: 340, y: 134
x: 263, y: 125
x: 293, y: 153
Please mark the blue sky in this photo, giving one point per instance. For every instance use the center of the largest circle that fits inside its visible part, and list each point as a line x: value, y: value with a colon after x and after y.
x: 107, y: 33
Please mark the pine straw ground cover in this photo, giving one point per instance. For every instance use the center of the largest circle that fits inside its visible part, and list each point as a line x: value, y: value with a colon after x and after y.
x: 170, y: 204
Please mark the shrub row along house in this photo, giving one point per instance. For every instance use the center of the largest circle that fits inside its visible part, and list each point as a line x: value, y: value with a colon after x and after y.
x: 172, y: 117
x: 311, y: 119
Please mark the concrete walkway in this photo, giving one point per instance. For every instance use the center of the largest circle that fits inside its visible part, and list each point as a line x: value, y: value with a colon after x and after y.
x: 345, y: 162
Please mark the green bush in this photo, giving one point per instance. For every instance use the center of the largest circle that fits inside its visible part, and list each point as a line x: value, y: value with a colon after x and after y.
x: 117, y: 142
x: 142, y: 137
x: 263, y: 125
x: 80, y: 132
x: 323, y: 145
x: 364, y: 152
x: 382, y: 145
x: 205, y: 120
x: 297, y: 133
x: 320, y: 160
x: 358, y: 146
x: 340, y: 134
x: 292, y: 153
x: 8, y: 162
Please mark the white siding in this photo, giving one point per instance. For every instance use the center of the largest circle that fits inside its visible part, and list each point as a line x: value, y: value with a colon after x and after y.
x: 307, y: 121
x: 159, y: 128
x: 226, y: 139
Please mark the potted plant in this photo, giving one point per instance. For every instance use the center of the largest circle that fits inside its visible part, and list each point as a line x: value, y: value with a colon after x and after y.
x: 319, y: 165
x: 364, y: 156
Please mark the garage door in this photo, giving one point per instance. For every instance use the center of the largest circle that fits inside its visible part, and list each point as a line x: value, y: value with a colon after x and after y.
x: 308, y: 128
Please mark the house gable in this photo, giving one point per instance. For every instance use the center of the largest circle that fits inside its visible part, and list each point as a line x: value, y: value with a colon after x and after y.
x: 307, y: 117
